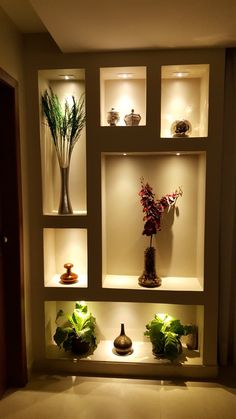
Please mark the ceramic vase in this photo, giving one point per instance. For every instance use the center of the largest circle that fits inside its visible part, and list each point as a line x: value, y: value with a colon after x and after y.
x: 123, y: 344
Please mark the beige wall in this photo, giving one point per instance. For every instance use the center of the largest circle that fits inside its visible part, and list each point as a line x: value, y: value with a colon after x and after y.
x: 11, y: 61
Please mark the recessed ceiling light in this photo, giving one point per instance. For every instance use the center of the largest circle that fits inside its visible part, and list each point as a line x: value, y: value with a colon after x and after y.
x: 181, y: 74
x: 67, y: 76
x: 125, y: 75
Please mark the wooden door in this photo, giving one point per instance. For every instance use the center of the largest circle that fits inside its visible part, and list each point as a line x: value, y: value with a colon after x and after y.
x: 12, y: 329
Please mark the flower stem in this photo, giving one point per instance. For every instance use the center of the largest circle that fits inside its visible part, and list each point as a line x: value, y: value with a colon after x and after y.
x: 150, y: 241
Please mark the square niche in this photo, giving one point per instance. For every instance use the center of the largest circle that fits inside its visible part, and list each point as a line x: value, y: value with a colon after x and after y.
x: 135, y: 317
x: 61, y: 246
x: 122, y: 92
x: 184, y: 101
x: 180, y: 243
x: 65, y: 84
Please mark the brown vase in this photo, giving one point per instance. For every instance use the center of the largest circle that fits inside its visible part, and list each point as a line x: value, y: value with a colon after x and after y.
x: 68, y: 277
x: 149, y: 278
x: 123, y: 344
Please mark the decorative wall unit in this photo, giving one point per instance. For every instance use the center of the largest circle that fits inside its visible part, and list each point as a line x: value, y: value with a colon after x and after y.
x: 103, y: 239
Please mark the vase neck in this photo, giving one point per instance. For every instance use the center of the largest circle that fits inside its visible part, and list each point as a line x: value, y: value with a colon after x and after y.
x: 122, y: 329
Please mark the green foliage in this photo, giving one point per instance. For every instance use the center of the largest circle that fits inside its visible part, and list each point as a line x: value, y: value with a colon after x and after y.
x: 80, y: 323
x: 164, y: 332
x: 65, y: 124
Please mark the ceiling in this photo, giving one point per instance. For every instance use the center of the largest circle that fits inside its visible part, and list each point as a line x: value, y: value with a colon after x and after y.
x: 104, y: 25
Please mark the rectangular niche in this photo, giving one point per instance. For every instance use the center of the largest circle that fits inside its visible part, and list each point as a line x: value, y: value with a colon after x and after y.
x: 180, y: 243
x: 135, y: 316
x: 65, y: 245
x: 184, y: 96
x: 65, y: 84
x: 123, y: 89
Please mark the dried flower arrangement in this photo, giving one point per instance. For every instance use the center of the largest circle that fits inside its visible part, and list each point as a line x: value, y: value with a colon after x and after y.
x: 153, y: 209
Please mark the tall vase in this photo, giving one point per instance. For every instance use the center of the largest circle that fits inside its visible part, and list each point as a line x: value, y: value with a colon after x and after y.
x: 149, y: 278
x: 123, y: 344
x: 65, y: 205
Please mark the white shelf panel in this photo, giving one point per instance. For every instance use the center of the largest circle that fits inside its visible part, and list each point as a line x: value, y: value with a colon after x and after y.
x: 75, y: 212
x: 142, y: 353
x: 168, y: 283
x: 55, y: 282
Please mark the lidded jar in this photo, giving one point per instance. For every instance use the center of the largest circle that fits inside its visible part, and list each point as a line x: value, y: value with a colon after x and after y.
x: 132, y: 119
x: 113, y: 117
x: 123, y: 344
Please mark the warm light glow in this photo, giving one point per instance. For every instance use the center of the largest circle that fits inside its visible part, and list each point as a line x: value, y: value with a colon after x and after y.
x: 181, y: 74
x: 177, y: 154
x: 124, y: 154
x: 69, y: 100
x: 125, y: 75
x: 67, y: 76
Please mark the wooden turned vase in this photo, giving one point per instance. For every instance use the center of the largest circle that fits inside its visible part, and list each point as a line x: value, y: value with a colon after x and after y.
x: 69, y: 277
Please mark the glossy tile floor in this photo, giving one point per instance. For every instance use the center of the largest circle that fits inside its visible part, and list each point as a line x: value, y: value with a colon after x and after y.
x: 49, y: 397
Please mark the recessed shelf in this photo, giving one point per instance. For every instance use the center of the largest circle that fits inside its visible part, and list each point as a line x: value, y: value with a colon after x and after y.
x: 65, y: 245
x: 123, y: 89
x: 185, y: 96
x: 142, y: 353
x: 64, y: 88
x: 135, y: 316
x: 180, y: 243
x: 168, y: 283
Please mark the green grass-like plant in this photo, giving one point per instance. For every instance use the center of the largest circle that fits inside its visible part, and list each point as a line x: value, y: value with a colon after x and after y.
x: 65, y: 124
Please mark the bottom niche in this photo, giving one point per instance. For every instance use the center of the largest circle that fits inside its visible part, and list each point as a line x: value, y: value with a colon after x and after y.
x: 134, y: 316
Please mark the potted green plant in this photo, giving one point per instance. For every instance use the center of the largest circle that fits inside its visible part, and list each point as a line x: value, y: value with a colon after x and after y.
x: 76, y: 332
x: 65, y: 127
x: 164, y: 332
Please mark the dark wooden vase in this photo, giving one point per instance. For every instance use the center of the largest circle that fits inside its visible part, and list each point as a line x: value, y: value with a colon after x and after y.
x: 69, y: 277
x: 149, y: 278
x: 123, y: 344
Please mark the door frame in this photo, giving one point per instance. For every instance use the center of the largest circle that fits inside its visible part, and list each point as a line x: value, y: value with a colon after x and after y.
x: 13, y: 270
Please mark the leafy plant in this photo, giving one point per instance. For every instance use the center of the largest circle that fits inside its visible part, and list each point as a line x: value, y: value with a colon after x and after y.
x: 65, y: 125
x: 165, y: 332
x: 77, y: 328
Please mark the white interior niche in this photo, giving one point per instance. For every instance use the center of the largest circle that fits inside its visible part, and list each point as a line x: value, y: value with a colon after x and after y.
x: 185, y: 95
x: 124, y: 89
x: 65, y: 89
x: 65, y: 245
x: 135, y: 316
x: 180, y: 243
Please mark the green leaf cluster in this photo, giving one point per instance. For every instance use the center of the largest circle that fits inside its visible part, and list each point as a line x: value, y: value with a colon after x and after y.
x: 65, y: 124
x: 165, y: 332
x: 80, y: 323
